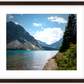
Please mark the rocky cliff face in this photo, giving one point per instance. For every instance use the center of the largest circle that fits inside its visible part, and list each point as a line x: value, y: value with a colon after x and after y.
x: 18, y: 38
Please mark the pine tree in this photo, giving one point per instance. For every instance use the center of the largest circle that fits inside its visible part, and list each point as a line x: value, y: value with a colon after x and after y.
x: 70, y: 33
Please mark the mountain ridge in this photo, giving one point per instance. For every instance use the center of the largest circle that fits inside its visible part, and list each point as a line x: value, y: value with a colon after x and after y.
x: 18, y: 38
x: 53, y: 45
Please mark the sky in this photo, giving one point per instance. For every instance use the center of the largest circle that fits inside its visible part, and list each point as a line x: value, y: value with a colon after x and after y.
x: 48, y: 28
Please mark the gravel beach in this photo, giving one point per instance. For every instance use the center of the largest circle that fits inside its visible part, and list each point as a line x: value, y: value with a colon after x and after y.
x: 50, y: 65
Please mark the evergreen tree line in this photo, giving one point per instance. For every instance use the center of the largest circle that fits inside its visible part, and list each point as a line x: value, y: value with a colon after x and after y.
x: 66, y: 57
x: 70, y: 33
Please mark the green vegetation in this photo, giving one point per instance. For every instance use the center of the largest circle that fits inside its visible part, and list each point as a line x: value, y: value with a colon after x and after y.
x: 69, y: 34
x: 48, y: 48
x: 66, y: 58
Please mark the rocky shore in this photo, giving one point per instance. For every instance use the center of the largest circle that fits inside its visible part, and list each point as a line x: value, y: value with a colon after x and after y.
x: 50, y: 65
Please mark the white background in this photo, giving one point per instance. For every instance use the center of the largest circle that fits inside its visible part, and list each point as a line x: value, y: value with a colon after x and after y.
x: 40, y: 74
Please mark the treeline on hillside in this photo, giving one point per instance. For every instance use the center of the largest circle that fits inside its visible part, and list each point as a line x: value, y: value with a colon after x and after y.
x: 49, y: 48
x: 68, y: 48
x: 69, y: 34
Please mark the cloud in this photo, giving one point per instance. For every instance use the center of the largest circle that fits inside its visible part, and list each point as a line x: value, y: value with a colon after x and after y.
x: 57, y: 19
x: 16, y: 23
x: 50, y: 18
x: 49, y: 35
x: 37, y: 24
x: 9, y: 16
x: 36, y: 19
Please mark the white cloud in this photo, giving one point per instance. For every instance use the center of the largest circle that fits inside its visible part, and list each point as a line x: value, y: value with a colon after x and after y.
x: 37, y: 24
x: 9, y: 16
x: 16, y: 23
x: 36, y: 19
x: 49, y: 35
x: 57, y: 19
x: 50, y: 18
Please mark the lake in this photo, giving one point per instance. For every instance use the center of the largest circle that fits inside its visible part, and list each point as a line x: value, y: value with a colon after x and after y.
x: 27, y: 60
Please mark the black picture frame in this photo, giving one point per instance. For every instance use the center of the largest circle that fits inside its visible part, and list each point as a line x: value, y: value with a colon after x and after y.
x: 41, y: 80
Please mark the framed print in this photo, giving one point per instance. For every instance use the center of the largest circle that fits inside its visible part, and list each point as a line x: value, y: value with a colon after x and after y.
x: 41, y: 42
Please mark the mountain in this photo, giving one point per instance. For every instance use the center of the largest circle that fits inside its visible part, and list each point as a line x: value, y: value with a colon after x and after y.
x: 55, y: 45
x: 42, y: 43
x: 18, y: 38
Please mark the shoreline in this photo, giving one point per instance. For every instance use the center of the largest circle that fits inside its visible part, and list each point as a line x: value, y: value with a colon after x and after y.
x: 50, y: 65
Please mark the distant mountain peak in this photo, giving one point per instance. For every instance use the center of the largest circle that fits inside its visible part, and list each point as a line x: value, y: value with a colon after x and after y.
x: 53, y: 45
x: 42, y: 43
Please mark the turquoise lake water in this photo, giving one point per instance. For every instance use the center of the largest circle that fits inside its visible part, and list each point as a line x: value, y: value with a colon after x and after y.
x: 27, y: 60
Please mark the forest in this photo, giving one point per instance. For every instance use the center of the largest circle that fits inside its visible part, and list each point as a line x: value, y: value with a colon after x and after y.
x: 66, y: 58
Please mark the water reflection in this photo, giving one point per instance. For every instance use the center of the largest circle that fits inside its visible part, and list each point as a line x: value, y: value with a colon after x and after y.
x: 27, y: 60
